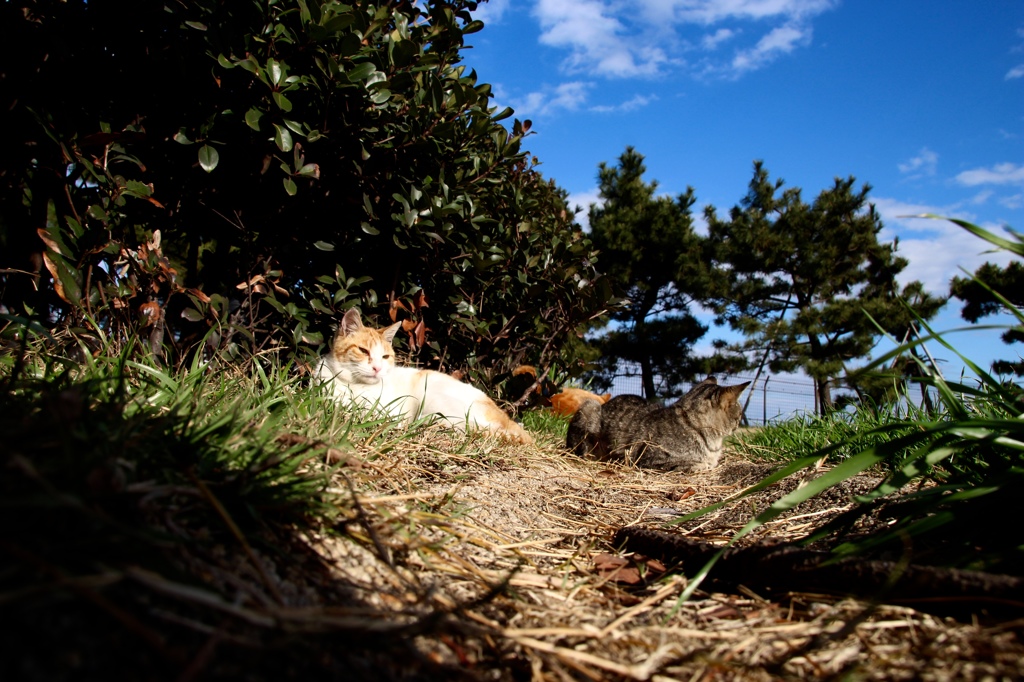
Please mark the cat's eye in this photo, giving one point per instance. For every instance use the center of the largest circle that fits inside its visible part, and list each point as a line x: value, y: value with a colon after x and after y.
x: 387, y: 356
x: 363, y: 351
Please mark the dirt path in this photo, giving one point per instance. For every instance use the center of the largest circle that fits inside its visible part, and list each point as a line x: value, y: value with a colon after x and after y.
x: 512, y: 547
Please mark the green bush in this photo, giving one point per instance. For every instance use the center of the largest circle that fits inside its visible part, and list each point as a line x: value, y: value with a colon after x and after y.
x: 233, y: 175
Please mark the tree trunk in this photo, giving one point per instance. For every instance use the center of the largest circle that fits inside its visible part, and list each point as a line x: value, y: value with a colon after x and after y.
x: 647, y: 377
x: 824, y: 393
x: 639, y: 329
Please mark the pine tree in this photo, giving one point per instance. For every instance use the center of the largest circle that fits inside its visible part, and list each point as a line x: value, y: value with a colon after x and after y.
x: 979, y: 301
x: 651, y: 253
x: 800, y: 280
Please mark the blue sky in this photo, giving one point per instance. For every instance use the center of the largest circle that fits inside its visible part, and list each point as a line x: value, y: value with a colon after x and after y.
x: 923, y: 101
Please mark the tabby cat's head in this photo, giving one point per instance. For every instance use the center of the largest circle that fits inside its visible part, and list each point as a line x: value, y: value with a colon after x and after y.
x: 712, y: 406
x: 365, y: 355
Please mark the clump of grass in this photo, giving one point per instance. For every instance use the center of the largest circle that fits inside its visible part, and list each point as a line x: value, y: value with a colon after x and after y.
x: 546, y: 425
x: 137, y: 423
x: 123, y: 482
x: 840, y: 434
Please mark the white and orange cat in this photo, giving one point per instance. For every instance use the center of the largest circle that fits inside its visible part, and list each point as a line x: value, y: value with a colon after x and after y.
x: 361, y: 371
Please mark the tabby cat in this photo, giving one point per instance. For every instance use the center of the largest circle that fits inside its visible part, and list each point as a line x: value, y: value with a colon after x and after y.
x: 361, y: 371
x: 686, y: 436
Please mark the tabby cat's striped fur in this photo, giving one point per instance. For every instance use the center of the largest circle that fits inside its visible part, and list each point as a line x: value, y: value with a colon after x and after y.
x: 686, y: 436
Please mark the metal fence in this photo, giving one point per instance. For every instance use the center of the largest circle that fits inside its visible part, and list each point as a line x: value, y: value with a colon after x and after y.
x: 770, y: 398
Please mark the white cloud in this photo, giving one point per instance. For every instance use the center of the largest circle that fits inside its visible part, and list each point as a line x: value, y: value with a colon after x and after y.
x: 492, y: 11
x: 1017, y: 71
x: 646, y: 38
x: 936, y: 249
x: 713, y: 11
x: 982, y: 197
x: 999, y: 174
x: 700, y: 223
x: 596, y: 39
x: 923, y: 164
x: 1013, y: 202
x: 712, y: 41
x: 564, y: 97
x: 632, y: 104
x: 583, y: 200
x: 778, y: 41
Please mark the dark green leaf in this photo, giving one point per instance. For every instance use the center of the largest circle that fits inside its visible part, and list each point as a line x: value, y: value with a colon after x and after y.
x: 503, y: 114
x: 138, y: 189
x: 252, y: 118
x: 282, y: 138
x: 281, y: 101
x: 249, y: 64
x: 274, y: 71
x: 340, y: 22
x: 361, y: 72
x: 208, y: 158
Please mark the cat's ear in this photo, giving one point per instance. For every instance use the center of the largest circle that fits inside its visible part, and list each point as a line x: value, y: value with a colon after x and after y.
x: 350, y: 323
x: 711, y: 379
x: 389, y: 332
x: 733, y: 392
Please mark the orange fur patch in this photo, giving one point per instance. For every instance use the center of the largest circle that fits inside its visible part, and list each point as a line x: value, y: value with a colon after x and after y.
x: 569, y: 400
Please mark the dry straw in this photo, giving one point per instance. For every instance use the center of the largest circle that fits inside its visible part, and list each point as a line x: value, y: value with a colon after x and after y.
x: 510, y: 547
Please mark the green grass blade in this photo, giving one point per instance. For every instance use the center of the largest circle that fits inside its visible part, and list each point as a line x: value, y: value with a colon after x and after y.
x: 1016, y: 247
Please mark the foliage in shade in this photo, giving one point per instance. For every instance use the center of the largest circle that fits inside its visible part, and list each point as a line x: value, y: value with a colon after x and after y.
x: 252, y: 169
